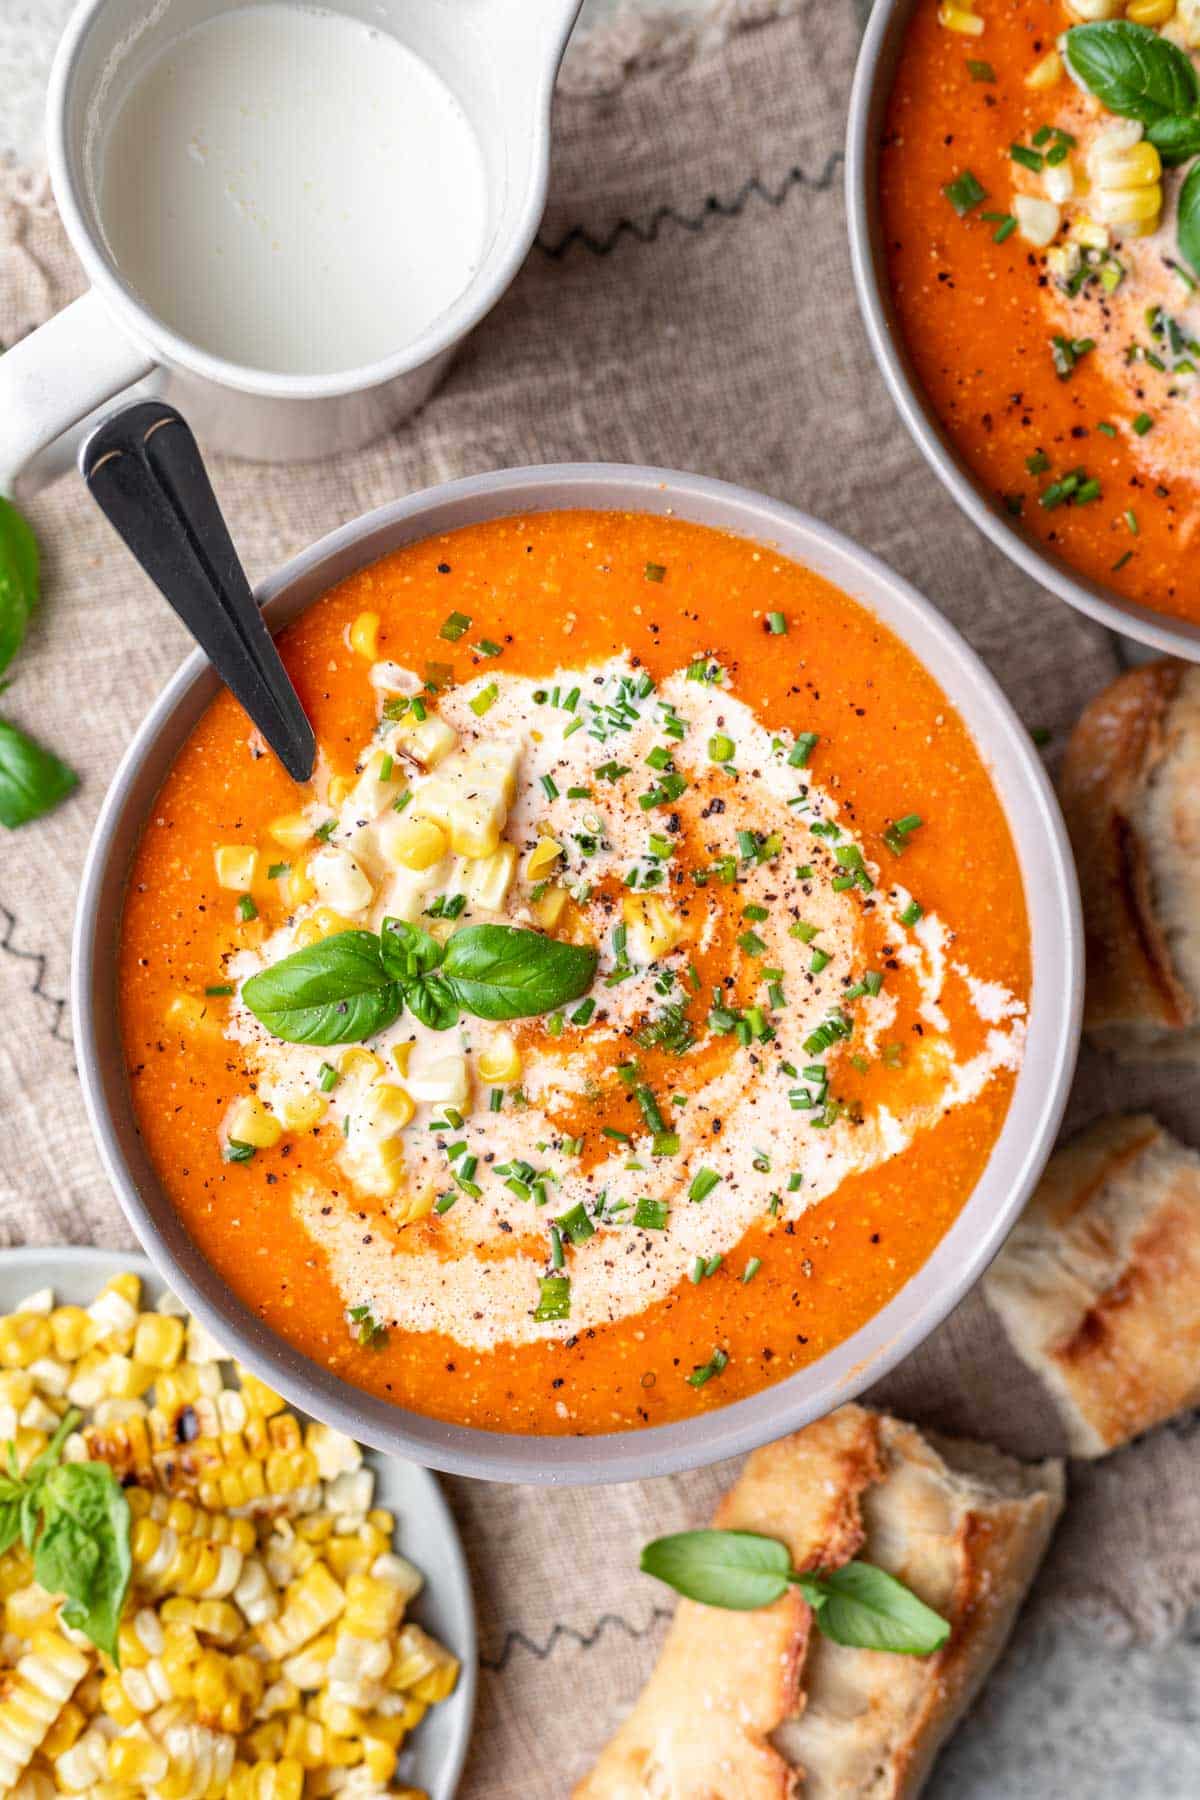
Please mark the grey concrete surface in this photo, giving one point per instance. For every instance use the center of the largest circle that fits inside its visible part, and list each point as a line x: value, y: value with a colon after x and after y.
x: 1061, y: 1719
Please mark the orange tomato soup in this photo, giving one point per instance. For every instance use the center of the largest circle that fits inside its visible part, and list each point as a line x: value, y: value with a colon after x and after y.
x: 1061, y: 369
x: 804, y: 1027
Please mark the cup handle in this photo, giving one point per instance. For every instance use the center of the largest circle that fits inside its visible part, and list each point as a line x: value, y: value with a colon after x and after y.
x: 52, y: 380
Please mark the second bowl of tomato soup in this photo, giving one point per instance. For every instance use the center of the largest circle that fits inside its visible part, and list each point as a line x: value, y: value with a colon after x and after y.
x: 646, y: 1023
x: 1026, y: 236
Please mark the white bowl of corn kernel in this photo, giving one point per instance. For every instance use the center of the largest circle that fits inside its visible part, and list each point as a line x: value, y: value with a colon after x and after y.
x: 271, y: 1637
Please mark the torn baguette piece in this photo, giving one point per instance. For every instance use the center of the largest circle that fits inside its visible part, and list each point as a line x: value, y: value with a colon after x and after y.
x: 1130, y: 790
x: 1098, y: 1288
x: 758, y: 1705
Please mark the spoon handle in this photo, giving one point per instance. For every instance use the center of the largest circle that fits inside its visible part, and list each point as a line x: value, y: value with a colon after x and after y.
x: 145, y: 472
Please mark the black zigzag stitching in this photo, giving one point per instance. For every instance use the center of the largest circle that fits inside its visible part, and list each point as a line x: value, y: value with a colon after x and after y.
x: 58, y: 1007
x: 560, y: 1634
x: 647, y: 231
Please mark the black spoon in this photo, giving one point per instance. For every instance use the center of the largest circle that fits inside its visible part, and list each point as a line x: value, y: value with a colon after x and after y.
x: 145, y: 473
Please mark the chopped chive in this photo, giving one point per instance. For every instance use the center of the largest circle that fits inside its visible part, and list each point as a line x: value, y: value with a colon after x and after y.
x: 649, y: 1107
x: 549, y: 787
x: 328, y: 1077
x: 1142, y: 424
x: 752, y: 944
x: 654, y: 571
x: 806, y: 742
x: 651, y: 1215
x: 386, y: 765
x: 236, y: 1151
x: 820, y: 960
x: 420, y: 711
x: 496, y: 1100
x: 1121, y: 561
x: 486, y: 647
x: 454, y: 627
x: 575, y: 1224
x: 721, y: 748
x: 445, y: 1201
x: 755, y: 913
x: 399, y: 804
x: 246, y: 907
x: 1131, y: 521
x: 965, y: 192
x: 556, y: 1248
x: 579, y: 793
x: 619, y: 1137
x: 776, y: 624
x: 980, y: 71
x: 706, y: 1371
x: 751, y: 1269
x: 1028, y: 159
x: 703, y: 1183
x: 276, y: 870
x: 219, y: 989
x: 324, y: 832
x: 805, y: 932
x: 554, y: 1299
x: 484, y: 700
x: 1109, y: 431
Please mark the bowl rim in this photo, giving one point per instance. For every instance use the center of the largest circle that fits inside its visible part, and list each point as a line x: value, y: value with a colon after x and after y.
x: 1017, y: 1157
x: 868, y: 97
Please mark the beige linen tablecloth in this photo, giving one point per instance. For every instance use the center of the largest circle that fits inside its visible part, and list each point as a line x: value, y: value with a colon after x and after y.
x: 689, y: 303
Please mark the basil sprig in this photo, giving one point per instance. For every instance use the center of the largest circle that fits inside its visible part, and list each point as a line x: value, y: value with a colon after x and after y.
x: 18, y: 580
x: 354, y: 984
x: 1135, y: 72
x: 858, y: 1605
x: 75, y: 1520
x: 32, y: 779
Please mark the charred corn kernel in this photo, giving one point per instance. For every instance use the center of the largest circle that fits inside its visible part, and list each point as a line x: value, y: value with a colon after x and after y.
x: 653, y: 930
x: 237, y: 865
x: 441, y: 1083
x: 373, y: 1608
x: 187, y: 1012
x: 487, y: 879
x: 549, y: 906
x: 312, y: 1604
x: 24, y: 1337
x: 249, y: 1122
x: 124, y: 1445
x: 158, y: 1340
x: 415, y: 843
x: 1150, y: 12
x: 958, y: 18
x: 1037, y: 220
x: 297, y: 887
x: 291, y: 830
x: 499, y: 1061
x: 429, y: 740
x: 364, y: 1064
x: 364, y: 636
x: 302, y: 1111
x: 1047, y: 72
x: 421, y: 1666
x: 72, y: 1332
x: 400, y: 1056
x: 386, y: 1109
x: 136, y: 1758
x: 542, y: 858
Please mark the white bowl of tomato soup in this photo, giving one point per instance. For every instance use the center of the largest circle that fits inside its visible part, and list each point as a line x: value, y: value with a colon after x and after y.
x: 1038, y: 349
x: 646, y: 1025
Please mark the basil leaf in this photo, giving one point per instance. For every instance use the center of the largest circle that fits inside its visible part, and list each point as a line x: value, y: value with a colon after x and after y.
x: 1132, y: 70
x: 869, y: 1609
x: 32, y: 780
x: 735, y: 1569
x: 18, y: 580
x: 1188, y: 218
x: 502, y: 972
x: 10, y: 1523
x: 83, y: 1551
x: 335, y: 992
x: 1175, y: 138
x: 408, y: 952
x: 432, y: 1000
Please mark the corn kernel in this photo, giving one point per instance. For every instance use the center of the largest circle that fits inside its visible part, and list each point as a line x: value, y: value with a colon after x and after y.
x: 1091, y: 10
x: 1150, y: 12
x: 340, y: 882
x: 1046, y: 73
x: 487, y: 879
x: 1137, y: 166
x: 158, y: 1340
x: 548, y: 908
x: 653, y: 929
x: 292, y: 830
x: 249, y: 1122
x: 386, y: 1109
x: 500, y: 1061
x: 24, y: 1337
x: 1037, y: 220
x: 414, y: 843
x: 297, y: 886
x: 187, y: 1012
x: 957, y: 18
x: 237, y: 865
x: 1139, y: 206
x: 400, y: 1056
x: 430, y: 739
x: 360, y: 1062
x: 322, y: 922
x: 73, y: 1332
x: 302, y: 1111
x: 542, y: 858
x: 364, y: 636
x: 441, y: 1083
x: 339, y: 789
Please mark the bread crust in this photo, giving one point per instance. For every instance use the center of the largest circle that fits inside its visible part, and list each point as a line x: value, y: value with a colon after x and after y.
x: 1098, y: 1287
x: 1130, y: 790
x: 964, y: 1525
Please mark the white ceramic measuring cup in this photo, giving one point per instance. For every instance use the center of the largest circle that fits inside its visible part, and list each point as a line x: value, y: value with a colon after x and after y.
x: 498, y: 58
